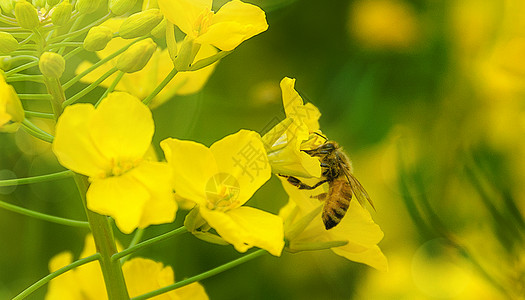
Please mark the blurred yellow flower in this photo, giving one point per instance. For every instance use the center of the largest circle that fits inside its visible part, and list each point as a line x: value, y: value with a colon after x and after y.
x: 384, y: 24
x: 304, y: 229
x: 285, y: 141
x: 141, y: 275
x: 11, y: 110
x: 108, y: 144
x: 234, y: 23
x: 143, y: 82
x: 220, y: 179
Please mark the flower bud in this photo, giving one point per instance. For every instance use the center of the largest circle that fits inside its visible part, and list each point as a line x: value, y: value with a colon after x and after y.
x: 52, y: 64
x: 97, y: 38
x: 8, y: 43
x: 120, y: 7
x: 11, y: 110
x: 87, y: 6
x: 7, y: 6
x: 62, y: 13
x: 52, y: 2
x: 26, y: 15
x: 5, y: 63
x: 140, y: 24
x: 160, y: 30
x: 137, y: 56
x: 39, y: 3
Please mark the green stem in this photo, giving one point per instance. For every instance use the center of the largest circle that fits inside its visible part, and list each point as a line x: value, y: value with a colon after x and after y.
x: 202, y: 276
x: 24, y: 77
x: 98, y: 64
x: 35, y: 131
x: 57, y: 95
x: 35, y: 97
x: 149, y: 242
x: 73, y: 53
x: 159, y: 88
x: 35, y: 179
x: 88, y: 89
x: 62, y: 44
x: 111, y: 87
x: 8, y: 20
x: 106, y: 246
x: 42, y: 216
x: 38, y: 114
x: 28, y: 291
x: 136, y: 238
x: 80, y: 31
x: 21, y: 68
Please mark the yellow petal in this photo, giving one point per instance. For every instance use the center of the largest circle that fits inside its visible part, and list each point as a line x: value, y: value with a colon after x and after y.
x: 247, y: 227
x: 184, y: 13
x: 283, y: 144
x: 64, y: 286
x: 73, y: 144
x: 156, y: 178
x: 234, y: 23
x: 145, y: 275
x: 242, y: 155
x: 372, y: 257
x: 120, y: 197
x: 193, y: 165
x: 194, y: 291
x: 122, y: 127
x: 295, y: 108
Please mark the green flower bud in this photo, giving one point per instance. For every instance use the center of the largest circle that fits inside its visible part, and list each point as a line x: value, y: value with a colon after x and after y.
x: 160, y: 30
x: 87, y: 6
x: 62, y: 13
x: 52, y: 2
x: 97, y: 38
x: 52, y: 64
x: 5, y: 63
x: 120, y: 7
x: 26, y: 15
x: 137, y: 56
x: 140, y: 24
x: 8, y: 43
x: 7, y: 6
x: 39, y: 3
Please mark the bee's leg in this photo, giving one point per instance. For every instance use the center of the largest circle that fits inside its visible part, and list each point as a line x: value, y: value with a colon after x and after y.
x: 320, y: 196
x: 299, y: 184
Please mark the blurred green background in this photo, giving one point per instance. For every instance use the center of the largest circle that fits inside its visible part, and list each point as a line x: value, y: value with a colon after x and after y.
x: 427, y: 98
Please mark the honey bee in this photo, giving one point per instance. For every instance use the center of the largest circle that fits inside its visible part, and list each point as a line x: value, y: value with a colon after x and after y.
x: 336, y: 170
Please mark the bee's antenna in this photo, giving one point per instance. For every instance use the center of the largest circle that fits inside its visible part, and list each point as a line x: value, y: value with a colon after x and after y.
x: 324, y: 137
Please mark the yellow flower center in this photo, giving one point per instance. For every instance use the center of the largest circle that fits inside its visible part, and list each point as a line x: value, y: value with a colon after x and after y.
x: 203, y: 22
x: 222, y: 191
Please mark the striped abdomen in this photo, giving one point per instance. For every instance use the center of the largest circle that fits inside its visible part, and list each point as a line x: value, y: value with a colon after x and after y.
x: 336, y: 203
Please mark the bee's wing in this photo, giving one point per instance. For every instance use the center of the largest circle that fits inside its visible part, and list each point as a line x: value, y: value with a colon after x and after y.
x: 357, y: 189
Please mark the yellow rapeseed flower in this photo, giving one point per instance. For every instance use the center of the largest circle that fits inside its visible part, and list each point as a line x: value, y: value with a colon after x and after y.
x: 285, y: 141
x: 357, y: 229
x: 220, y: 180
x: 108, y: 144
x: 11, y: 110
x: 234, y: 23
x: 143, y: 82
x: 141, y: 275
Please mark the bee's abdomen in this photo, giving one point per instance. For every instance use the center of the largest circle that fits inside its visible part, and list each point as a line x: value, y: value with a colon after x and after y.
x: 337, y: 203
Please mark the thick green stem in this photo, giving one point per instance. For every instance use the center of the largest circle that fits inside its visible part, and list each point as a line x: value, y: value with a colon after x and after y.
x: 202, y: 276
x: 25, y: 293
x: 106, y: 246
x: 57, y: 93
